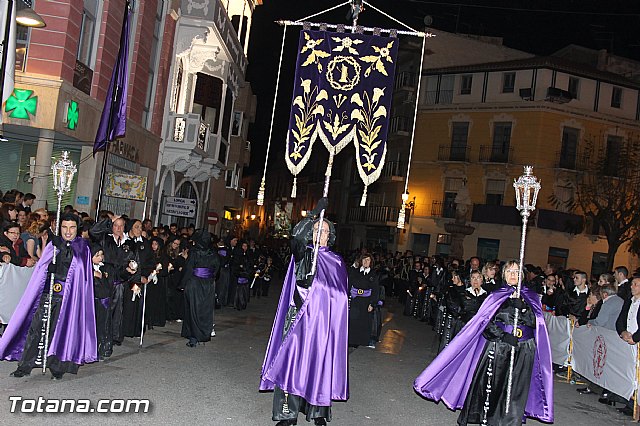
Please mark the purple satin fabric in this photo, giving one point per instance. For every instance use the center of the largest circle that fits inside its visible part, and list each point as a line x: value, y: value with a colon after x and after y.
x: 449, y: 375
x: 358, y: 292
x: 243, y: 280
x: 311, y: 362
x: 222, y: 252
x: 74, y: 338
x: 204, y: 273
x: 526, y: 333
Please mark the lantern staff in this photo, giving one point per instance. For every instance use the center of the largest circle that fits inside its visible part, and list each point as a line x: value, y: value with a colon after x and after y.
x: 63, y: 172
x: 527, y: 187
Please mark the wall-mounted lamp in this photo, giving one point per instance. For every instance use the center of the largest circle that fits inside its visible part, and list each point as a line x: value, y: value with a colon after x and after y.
x: 237, y: 217
x: 303, y: 213
x: 253, y: 217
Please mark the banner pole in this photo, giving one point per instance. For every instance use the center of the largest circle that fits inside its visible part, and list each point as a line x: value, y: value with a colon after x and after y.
x: 636, y: 412
x: 569, y: 369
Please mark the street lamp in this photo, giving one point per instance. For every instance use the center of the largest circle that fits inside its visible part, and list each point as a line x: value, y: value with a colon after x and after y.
x: 29, y: 18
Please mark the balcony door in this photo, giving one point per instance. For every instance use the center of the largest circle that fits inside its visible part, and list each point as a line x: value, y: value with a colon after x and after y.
x: 501, y: 142
x: 459, y: 137
x: 569, y: 149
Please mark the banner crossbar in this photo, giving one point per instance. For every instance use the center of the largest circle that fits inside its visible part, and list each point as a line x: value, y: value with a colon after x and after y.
x: 334, y: 26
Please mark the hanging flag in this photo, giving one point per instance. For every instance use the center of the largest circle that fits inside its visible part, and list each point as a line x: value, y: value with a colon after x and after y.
x: 9, y: 71
x: 113, y: 121
x: 342, y: 94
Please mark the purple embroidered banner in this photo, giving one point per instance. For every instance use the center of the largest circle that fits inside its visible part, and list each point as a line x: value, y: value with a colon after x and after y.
x: 342, y: 94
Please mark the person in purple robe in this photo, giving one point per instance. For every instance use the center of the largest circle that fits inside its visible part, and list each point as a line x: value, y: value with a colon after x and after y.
x: 72, y: 325
x: 472, y: 372
x: 306, y: 359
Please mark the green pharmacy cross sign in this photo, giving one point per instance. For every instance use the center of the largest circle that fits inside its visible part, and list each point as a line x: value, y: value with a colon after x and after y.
x: 21, y: 104
x: 72, y: 115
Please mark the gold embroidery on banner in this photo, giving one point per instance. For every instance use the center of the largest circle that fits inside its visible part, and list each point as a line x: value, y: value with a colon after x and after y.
x: 368, y: 114
x: 347, y: 72
x: 308, y: 108
x: 314, y: 54
x: 376, y: 61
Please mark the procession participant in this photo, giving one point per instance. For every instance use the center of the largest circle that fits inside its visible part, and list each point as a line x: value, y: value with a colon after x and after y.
x: 243, y: 271
x: 453, y: 308
x: 72, y: 326
x: 222, y: 284
x: 267, y: 273
x: 155, y: 312
x: 139, y: 251
x: 109, y: 233
x: 472, y: 372
x: 199, y: 289
x: 364, y: 289
x: 306, y: 359
x: 175, y: 293
x: 473, y: 297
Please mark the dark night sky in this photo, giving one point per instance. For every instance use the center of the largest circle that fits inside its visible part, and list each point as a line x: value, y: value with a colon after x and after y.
x: 536, y: 26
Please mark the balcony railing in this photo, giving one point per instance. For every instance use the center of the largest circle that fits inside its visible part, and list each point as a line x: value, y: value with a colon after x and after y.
x: 374, y: 215
x: 453, y: 153
x: 495, y: 154
x: 188, y: 131
x: 445, y: 209
x: 502, y: 215
x: 394, y: 169
x: 443, y: 97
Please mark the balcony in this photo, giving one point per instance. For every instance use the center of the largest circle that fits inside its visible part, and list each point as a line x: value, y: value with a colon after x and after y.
x: 501, y: 215
x: 190, y: 147
x: 559, y: 221
x: 394, y: 171
x: 453, y: 153
x: 495, y: 154
x: 374, y: 215
x: 446, y: 209
x: 578, y: 162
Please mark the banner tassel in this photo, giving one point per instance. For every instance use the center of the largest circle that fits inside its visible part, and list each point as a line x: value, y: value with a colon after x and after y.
x: 294, y: 188
x: 363, y: 200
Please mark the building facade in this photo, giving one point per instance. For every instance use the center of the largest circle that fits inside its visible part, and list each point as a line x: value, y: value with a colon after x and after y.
x: 62, y: 75
x: 208, y: 108
x: 480, y: 123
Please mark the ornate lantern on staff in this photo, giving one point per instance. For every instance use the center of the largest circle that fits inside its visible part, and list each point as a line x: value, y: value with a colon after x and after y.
x: 527, y: 187
x: 63, y: 172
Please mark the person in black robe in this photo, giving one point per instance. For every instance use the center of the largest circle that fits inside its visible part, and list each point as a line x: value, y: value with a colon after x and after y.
x: 199, y: 289
x: 266, y: 272
x: 244, y: 273
x: 413, y: 285
x: 175, y: 255
x: 224, y: 274
x: 486, y: 396
x: 139, y: 251
x: 363, y: 283
x: 426, y: 290
x: 233, y: 251
x: 155, y: 312
x: 473, y: 297
x: 109, y: 233
x: 491, y: 280
x: 453, y: 303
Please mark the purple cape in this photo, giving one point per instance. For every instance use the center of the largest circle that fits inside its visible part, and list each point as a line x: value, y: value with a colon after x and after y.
x: 449, y: 376
x: 74, y: 339
x: 311, y: 362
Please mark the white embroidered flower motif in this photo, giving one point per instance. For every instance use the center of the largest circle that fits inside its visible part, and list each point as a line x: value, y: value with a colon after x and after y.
x: 346, y: 43
x: 368, y: 112
x: 377, y: 61
x: 308, y: 108
x: 315, y: 54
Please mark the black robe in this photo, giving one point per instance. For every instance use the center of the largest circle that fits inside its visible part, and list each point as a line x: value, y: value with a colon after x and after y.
x: 452, y: 321
x: 199, y: 295
x: 360, y: 318
x: 141, y: 252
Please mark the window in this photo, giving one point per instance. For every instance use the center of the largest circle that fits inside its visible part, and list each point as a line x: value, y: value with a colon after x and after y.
x: 501, y: 142
x: 443, y: 244
x: 508, y: 82
x: 613, y: 153
x: 236, y: 126
x: 421, y: 244
x: 222, y: 153
x: 488, y: 249
x: 459, y: 135
x: 495, y: 192
x: 465, y: 84
x: 565, y: 195
x: 558, y: 256
x: 87, y: 28
x: 574, y: 87
x: 451, y: 188
x: 22, y: 39
x: 399, y: 123
x: 207, y: 100
x: 229, y: 177
x: 616, y: 97
x: 569, y: 148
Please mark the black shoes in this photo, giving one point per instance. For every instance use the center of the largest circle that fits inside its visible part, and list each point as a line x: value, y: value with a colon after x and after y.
x: 606, y: 401
x: 192, y: 343
x: 627, y: 411
x: 56, y: 376
x: 584, y: 391
x: 320, y: 421
x: 19, y: 373
x: 287, y: 422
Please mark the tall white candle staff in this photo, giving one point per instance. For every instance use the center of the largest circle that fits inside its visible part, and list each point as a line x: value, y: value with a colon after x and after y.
x: 63, y: 172
x: 527, y: 187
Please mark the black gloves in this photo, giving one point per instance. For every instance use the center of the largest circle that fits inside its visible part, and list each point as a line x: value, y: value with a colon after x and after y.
x: 322, y: 205
x: 518, y: 303
x: 510, y: 339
